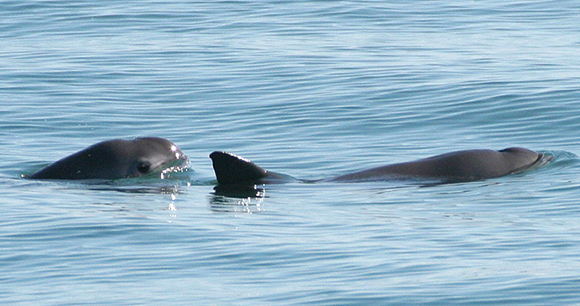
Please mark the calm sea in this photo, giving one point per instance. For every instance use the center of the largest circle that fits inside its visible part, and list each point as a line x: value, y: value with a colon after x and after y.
x: 313, y: 89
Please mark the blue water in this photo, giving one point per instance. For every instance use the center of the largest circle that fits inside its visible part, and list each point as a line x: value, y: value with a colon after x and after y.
x: 313, y: 89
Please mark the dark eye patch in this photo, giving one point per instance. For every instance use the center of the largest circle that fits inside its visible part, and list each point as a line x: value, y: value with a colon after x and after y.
x: 143, y: 168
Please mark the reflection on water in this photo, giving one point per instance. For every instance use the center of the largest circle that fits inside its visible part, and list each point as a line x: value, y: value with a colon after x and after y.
x: 246, y: 199
x: 172, y: 190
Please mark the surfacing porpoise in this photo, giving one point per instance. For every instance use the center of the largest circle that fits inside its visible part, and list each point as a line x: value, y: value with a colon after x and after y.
x: 459, y: 166
x: 116, y: 159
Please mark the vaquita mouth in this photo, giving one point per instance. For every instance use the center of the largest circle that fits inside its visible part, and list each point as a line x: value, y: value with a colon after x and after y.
x: 181, y: 164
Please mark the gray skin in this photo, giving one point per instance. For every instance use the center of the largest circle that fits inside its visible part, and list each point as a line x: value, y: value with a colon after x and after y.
x: 460, y: 166
x: 115, y: 159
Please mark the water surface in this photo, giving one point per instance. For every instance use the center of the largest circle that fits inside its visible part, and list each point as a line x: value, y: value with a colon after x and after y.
x: 313, y: 89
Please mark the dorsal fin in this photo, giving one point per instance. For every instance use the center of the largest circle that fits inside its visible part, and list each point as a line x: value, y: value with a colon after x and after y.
x: 232, y: 169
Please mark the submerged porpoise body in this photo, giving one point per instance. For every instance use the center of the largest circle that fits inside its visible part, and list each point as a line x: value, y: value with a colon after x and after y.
x: 459, y: 166
x: 116, y: 159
